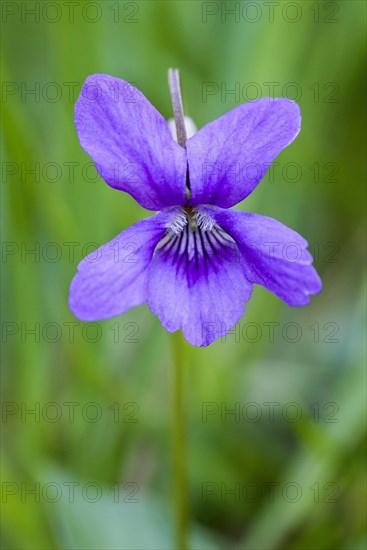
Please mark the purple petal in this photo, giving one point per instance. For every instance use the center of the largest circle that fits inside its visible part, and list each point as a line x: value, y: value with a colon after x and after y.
x: 274, y: 255
x: 196, y: 283
x: 229, y: 156
x: 113, y: 279
x: 130, y: 142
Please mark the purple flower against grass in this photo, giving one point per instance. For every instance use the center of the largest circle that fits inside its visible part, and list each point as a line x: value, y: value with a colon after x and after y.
x: 195, y: 262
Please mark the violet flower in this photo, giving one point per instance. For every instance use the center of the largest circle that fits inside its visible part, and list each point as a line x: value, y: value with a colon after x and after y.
x: 195, y: 262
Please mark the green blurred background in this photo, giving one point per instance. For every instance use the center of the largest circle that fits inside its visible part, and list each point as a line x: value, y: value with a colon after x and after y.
x: 102, y: 394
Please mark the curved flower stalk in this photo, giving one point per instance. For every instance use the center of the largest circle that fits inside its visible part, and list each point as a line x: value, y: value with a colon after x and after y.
x: 195, y: 262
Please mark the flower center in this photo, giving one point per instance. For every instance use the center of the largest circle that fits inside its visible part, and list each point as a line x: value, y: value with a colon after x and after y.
x: 195, y: 243
x: 194, y: 217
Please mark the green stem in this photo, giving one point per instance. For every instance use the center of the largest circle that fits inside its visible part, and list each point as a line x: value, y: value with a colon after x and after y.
x: 177, y: 107
x: 179, y: 443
